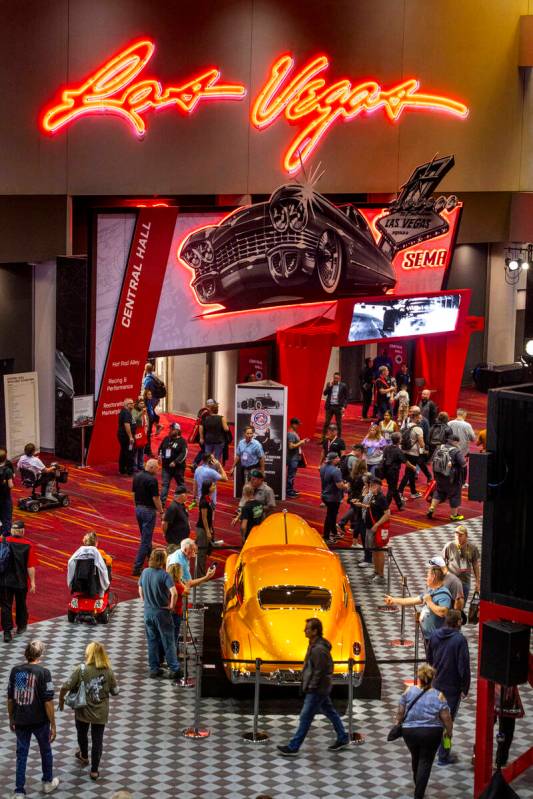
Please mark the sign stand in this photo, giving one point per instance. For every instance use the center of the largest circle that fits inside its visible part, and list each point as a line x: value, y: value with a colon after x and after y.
x: 82, y: 417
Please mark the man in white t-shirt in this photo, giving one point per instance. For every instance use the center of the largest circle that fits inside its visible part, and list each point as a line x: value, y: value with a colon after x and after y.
x: 463, y: 431
x: 34, y: 464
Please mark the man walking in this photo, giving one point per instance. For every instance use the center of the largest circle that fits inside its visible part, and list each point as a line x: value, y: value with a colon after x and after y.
x: 6, y: 484
x: 413, y: 445
x: 172, y: 454
x: 30, y: 705
x: 16, y: 581
x: 332, y: 442
x: 463, y: 432
x: 449, y: 470
x: 316, y: 686
x: 336, y: 394
x: 147, y: 506
x: 126, y: 438
x: 249, y: 454
x: 332, y: 493
x: 428, y: 408
x: 448, y: 653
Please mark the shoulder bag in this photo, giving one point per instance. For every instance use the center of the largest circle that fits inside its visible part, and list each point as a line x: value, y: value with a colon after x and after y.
x: 473, y: 610
x: 396, y: 731
x: 76, y: 699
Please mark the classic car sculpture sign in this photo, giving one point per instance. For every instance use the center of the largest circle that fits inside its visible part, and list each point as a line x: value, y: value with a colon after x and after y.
x: 300, y: 247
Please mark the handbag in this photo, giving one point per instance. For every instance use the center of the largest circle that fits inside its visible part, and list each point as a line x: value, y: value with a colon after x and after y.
x: 473, y: 610
x: 78, y: 699
x: 396, y: 731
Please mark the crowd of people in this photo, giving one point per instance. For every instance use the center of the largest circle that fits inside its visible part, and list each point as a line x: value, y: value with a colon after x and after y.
x: 404, y: 442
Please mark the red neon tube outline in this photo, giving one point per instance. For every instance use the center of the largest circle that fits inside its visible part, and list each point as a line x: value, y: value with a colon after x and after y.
x: 111, y: 90
x: 308, y: 98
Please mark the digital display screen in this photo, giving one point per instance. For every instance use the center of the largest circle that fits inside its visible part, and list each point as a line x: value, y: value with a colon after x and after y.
x: 397, y: 318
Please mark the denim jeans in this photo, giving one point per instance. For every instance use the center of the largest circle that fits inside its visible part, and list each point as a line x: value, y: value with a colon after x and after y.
x: 42, y: 733
x: 215, y: 449
x: 146, y: 521
x: 454, y: 700
x: 167, y: 475
x: 313, y: 704
x: 159, y: 628
x: 292, y: 468
x: 138, y: 459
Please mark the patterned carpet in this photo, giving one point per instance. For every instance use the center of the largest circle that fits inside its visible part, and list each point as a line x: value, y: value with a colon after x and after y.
x: 101, y: 500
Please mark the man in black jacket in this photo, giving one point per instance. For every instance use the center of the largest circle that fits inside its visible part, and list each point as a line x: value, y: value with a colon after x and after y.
x: 172, y: 454
x: 448, y: 653
x: 336, y: 394
x: 316, y: 685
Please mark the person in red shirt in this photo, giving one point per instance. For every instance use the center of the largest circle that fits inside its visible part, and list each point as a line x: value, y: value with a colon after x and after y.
x: 17, y: 581
x: 176, y: 573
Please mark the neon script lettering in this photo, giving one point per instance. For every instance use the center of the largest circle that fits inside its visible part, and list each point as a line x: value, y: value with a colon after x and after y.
x: 112, y: 90
x: 308, y: 98
x: 304, y: 97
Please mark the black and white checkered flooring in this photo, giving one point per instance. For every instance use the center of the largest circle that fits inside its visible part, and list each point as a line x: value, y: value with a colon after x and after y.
x: 144, y: 749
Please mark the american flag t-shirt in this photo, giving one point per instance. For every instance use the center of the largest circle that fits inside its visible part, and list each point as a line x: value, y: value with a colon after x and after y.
x: 25, y: 683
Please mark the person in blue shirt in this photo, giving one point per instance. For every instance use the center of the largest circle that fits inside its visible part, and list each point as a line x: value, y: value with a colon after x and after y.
x: 249, y: 454
x: 159, y: 595
x: 436, y: 602
x: 424, y: 715
x: 209, y: 470
x: 183, y: 556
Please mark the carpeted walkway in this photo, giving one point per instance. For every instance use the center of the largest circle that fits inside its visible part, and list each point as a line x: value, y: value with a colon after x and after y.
x: 101, y: 500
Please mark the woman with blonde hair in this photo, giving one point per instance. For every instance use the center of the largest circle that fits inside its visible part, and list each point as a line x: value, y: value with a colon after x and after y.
x: 425, y: 717
x: 100, y: 683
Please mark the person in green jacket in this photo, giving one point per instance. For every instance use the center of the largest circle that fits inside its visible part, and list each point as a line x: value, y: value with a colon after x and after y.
x: 100, y: 684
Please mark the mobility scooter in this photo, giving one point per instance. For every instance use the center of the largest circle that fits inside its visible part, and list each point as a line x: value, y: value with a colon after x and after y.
x: 87, y: 602
x: 53, y: 497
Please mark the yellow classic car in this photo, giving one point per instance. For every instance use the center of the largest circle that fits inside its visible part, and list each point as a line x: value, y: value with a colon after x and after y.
x: 284, y: 575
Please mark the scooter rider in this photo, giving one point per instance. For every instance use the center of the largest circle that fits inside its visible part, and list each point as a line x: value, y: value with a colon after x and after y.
x: 46, y: 474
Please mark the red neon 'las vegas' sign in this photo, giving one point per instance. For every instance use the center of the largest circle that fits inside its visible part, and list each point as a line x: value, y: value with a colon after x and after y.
x: 303, y: 98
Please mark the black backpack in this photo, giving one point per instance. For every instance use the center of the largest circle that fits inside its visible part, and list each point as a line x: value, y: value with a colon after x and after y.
x: 438, y: 433
x: 408, y: 441
x: 158, y: 388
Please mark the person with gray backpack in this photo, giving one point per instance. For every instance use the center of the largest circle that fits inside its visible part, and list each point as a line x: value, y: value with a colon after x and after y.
x: 448, y: 470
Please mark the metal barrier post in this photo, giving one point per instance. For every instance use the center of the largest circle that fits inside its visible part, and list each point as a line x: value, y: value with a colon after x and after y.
x: 402, y: 641
x: 388, y: 608
x: 186, y: 681
x: 354, y: 737
x: 256, y: 737
x: 195, y: 607
x: 196, y: 731
x: 414, y: 681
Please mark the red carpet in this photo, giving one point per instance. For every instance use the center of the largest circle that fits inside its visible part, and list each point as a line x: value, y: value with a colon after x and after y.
x: 101, y: 500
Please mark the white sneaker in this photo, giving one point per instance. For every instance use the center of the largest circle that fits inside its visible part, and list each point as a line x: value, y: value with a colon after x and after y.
x: 377, y: 578
x: 49, y: 787
x: 364, y: 565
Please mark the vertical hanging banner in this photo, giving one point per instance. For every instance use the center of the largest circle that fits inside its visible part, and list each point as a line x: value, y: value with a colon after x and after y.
x: 263, y: 406
x: 134, y: 323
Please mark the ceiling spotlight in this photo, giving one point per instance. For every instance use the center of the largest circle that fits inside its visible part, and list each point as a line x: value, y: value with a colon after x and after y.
x: 529, y: 347
x: 526, y: 265
x: 513, y: 264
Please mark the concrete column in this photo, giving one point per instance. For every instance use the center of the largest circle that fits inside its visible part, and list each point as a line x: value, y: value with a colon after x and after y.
x: 502, y: 307
x: 225, y: 370
x: 44, y: 300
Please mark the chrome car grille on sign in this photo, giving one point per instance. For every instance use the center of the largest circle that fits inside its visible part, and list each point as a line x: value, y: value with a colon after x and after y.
x: 254, y: 245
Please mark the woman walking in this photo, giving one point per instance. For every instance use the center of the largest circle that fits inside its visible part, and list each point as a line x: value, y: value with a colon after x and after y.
x: 424, y: 715
x: 140, y: 420
x: 100, y: 683
x: 204, y: 526
x: 374, y: 444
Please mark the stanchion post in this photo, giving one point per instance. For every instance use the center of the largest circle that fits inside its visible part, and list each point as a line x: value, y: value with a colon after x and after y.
x: 402, y: 641
x: 388, y: 608
x: 196, y: 731
x: 417, y: 645
x: 256, y: 737
x: 186, y: 681
x: 355, y: 737
x: 195, y: 607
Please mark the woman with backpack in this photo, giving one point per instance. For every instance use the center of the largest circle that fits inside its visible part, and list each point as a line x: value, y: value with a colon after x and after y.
x: 94, y: 682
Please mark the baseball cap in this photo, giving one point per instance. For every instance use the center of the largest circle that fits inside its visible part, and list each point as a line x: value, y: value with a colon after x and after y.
x: 257, y: 473
x: 331, y: 456
x: 211, y: 402
x: 180, y: 490
x: 175, y: 426
x: 437, y: 560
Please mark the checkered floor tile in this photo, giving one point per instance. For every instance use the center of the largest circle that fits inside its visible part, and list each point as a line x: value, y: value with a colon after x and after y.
x: 146, y: 752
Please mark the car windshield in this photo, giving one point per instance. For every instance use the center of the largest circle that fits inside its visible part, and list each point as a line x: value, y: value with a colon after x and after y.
x: 277, y: 597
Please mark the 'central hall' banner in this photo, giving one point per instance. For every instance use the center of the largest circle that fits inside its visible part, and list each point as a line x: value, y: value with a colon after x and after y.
x: 134, y: 323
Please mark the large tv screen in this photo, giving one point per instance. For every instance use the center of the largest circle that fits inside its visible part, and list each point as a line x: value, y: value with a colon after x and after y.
x: 400, y: 318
